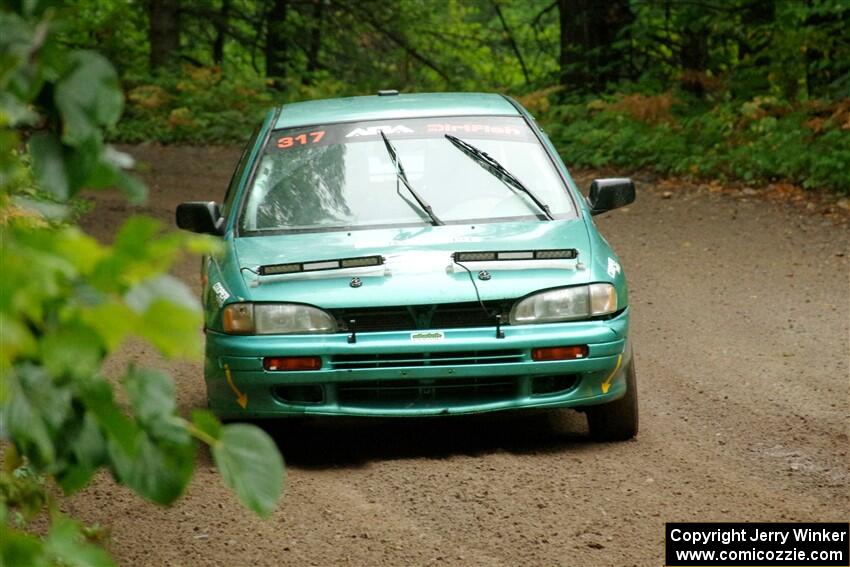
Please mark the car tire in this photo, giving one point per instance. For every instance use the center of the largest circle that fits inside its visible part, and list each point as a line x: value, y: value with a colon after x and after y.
x: 617, y: 420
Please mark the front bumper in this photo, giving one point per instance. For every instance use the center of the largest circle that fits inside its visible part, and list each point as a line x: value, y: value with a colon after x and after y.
x: 387, y: 374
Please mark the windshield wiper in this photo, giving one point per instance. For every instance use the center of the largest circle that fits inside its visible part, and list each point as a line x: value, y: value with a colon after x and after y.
x: 402, y: 176
x: 496, y: 169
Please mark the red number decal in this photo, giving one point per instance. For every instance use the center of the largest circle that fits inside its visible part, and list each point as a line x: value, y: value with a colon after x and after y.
x: 300, y: 139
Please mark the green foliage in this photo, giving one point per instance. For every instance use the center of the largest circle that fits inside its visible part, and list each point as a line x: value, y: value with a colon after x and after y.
x: 757, y: 141
x: 241, y: 455
x: 65, y: 544
x: 199, y: 107
x: 68, y: 301
x: 718, y: 59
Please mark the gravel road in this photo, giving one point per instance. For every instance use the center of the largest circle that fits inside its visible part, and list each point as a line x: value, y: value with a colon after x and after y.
x: 741, y: 311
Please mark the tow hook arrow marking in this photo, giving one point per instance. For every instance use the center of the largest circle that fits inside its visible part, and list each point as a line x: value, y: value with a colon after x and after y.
x: 241, y: 398
x: 606, y: 384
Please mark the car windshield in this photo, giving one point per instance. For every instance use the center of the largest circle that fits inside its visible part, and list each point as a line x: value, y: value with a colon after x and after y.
x: 341, y: 176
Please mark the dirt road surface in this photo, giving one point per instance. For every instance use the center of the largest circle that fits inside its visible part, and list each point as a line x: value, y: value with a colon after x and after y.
x: 740, y: 327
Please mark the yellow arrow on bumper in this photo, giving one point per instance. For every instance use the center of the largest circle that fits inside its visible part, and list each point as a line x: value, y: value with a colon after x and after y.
x: 606, y: 384
x: 241, y: 399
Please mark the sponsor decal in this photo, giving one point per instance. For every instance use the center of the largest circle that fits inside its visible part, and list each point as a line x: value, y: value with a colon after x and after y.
x: 446, y: 128
x: 613, y: 268
x: 374, y: 130
x: 220, y: 293
x: 302, y: 139
x: 427, y: 336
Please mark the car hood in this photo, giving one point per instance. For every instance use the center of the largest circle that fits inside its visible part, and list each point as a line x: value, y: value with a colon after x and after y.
x: 419, y: 269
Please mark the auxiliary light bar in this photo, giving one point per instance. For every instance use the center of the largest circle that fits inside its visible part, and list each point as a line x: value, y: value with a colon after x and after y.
x: 561, y: 254
x: 298, y: 267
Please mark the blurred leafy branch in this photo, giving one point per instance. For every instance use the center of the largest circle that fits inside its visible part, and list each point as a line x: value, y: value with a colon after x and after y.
x: 67, y: 302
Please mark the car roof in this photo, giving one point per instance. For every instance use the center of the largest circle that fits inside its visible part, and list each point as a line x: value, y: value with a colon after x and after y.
x: 393, y: 106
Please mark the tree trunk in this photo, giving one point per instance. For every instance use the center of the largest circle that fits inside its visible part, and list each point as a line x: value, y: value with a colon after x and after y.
x: 757, y: 15
x: 589, y: 29
x: 819, y: 76
x: 694, y: 60
x: 509, y: 38
x: 221, y: 21
x: 315, y: 44
x: 564, y: 54
x: 164, y: 32
x: 276, y: 42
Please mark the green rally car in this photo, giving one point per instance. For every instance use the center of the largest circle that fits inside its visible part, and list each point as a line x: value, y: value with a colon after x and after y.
x: 413, y: 255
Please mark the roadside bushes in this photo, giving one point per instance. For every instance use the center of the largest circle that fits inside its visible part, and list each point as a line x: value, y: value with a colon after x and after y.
x: 200, y: 106
x: 756, y: 141
x: 203, y: 106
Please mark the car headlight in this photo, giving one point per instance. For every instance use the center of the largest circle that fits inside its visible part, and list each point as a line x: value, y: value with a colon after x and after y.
x: 276, y: 319
x: 566, y: 304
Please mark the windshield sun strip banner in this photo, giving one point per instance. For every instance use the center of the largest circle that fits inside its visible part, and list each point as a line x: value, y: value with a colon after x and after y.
x: 473, y: 127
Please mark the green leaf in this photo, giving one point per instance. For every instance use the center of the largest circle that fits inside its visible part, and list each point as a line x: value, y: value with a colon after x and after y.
x: 91, y: 164
x: 152, y: 394
x: 112, y: 320
x: 16, y: 111
x: 47, y: 209
x: 88, y: 448
x: 51, y: 400
x: 204, y: 244
x: 48, y: 165
x: 135, y: 234
x: 73, y: 349
x: 157, y: 470
x: 137, y: 254
x: 98, y: 398
x: 164, y: 287
x: 251, y: 465
x: 120, y: 162
x: 22, y: 417
x: 15, y: 339
x: 86, y: 168
x: 207, y: 423
x: 133, y: 188
x: 78, y: 248
x: 88, y: 97
x: 174, y: 330
x: 65, y: 543
x: 74, y: 477
x: 161, y: 463
x: 17, y: 548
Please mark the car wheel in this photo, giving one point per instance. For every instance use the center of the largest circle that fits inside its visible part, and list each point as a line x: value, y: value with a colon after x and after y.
x: 617, y: 420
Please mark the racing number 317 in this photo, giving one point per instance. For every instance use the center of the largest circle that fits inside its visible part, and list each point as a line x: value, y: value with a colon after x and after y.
x: 300, y: 139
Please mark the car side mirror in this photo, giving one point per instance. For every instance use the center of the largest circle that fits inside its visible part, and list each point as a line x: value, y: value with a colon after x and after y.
x: 200, y: 216
x: 608, y: 194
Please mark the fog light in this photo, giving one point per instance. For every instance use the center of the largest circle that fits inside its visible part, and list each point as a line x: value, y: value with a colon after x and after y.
x: 542, y: 385
x: 559, y: 353
x: 300, y: 394
x: 292, y: 363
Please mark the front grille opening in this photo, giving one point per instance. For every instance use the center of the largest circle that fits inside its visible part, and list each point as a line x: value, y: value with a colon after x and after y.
x: 413, y: 359
x: 546, y: 385
x: 426, y: 393
x: 300, y: 394
x: 418, y: 317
